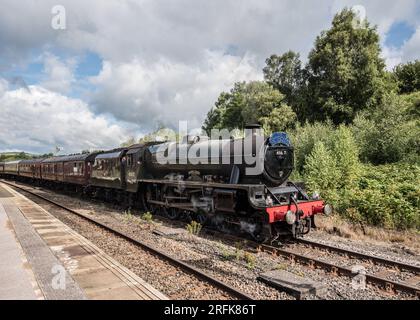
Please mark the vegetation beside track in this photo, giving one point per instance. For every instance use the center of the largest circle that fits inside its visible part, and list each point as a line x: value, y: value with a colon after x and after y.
x: 354, y: 124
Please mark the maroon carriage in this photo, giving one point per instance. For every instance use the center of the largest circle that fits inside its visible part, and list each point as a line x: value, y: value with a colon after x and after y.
x: 77, y: 168
x: 30, y: 168
x: 52, y: 169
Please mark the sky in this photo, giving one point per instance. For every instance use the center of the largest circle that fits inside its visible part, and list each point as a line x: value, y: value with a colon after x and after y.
x: 114, y: 69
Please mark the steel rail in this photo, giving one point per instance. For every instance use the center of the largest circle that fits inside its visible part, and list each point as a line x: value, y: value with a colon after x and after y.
x: 386, y: 284
x: 189, y: 268
x: 360, y: 255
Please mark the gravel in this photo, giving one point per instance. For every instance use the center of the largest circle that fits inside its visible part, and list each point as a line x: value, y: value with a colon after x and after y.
x: 391, y: 251
x: 385, y: 271
x: 221, y: 258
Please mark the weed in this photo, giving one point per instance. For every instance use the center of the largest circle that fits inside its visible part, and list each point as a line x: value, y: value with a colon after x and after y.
x: 128, y: 215
x: 281, y: 266
x: 147, y: 216
x: 194, y: 227
x: 250, y: 260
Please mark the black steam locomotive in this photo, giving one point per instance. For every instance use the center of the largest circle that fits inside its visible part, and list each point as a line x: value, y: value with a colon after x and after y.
x: 228, y: 183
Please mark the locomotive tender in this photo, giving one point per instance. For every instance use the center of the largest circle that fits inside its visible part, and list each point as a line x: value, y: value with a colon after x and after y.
x: 223, y: 189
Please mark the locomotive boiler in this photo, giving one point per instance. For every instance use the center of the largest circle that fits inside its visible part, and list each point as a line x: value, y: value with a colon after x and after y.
x: 253, y: 159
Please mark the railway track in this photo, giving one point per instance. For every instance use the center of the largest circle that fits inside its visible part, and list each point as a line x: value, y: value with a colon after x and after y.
x: 336, y: 269
x: 176, y: 262
x: 293, y: 256
x: 359, y: 255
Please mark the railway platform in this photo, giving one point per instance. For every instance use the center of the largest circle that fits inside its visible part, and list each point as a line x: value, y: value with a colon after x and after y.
x: 42, y: 258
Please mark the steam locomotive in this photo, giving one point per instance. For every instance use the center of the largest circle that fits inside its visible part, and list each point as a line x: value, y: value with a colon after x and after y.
x: 230, y: 184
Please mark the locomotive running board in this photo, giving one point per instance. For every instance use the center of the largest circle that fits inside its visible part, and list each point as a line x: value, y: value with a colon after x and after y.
x: 201, y: 183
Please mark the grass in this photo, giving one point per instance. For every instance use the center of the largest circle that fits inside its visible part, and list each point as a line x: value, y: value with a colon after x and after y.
x: 128, y: 215
x: 250, y: 260
x: 227, y: 255
x: 147, y: 216
x: 194, y: 227
x: 281, y: 266
x: 340, y: 226
x: 238, y: 255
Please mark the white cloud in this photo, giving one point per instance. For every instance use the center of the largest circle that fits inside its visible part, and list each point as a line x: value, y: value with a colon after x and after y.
x: 168, y: 60
x: 411, y: 49
x: 180, y: 30
x: 382, y: 13
x: 41, y: 119
x: 392, y: 56
x: 3, y: 86
x: 165, y: 92
x: 59, y: 74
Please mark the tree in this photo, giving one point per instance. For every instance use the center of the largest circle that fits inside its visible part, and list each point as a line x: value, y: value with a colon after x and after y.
x: 389, y: 133
x: 346, y: 153
x: 321, y: 170
x: 278, y: 119
x: 129, y: 142
x: 345, y: 71
x: 23, y: 156
x: 284, y: 73
x: 305, y: 136
x: 253, y: 102
x: 160, y: 135
x: 413, y: 102
x: 216, y: 115
x: 408, y: 76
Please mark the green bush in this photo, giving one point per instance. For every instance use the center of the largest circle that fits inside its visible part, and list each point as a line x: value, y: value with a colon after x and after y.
x: 383, y: 195
x: 305, y: 136
x: 346, y: 154
x: 413, y: 103
x: 387, y: 195
x: 388, y: 134
x: 321, y: 173
x: 333, y: 166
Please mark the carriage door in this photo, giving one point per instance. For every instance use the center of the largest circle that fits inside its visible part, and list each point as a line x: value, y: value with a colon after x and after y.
x: 88, y: 168
x: 132, y: 169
